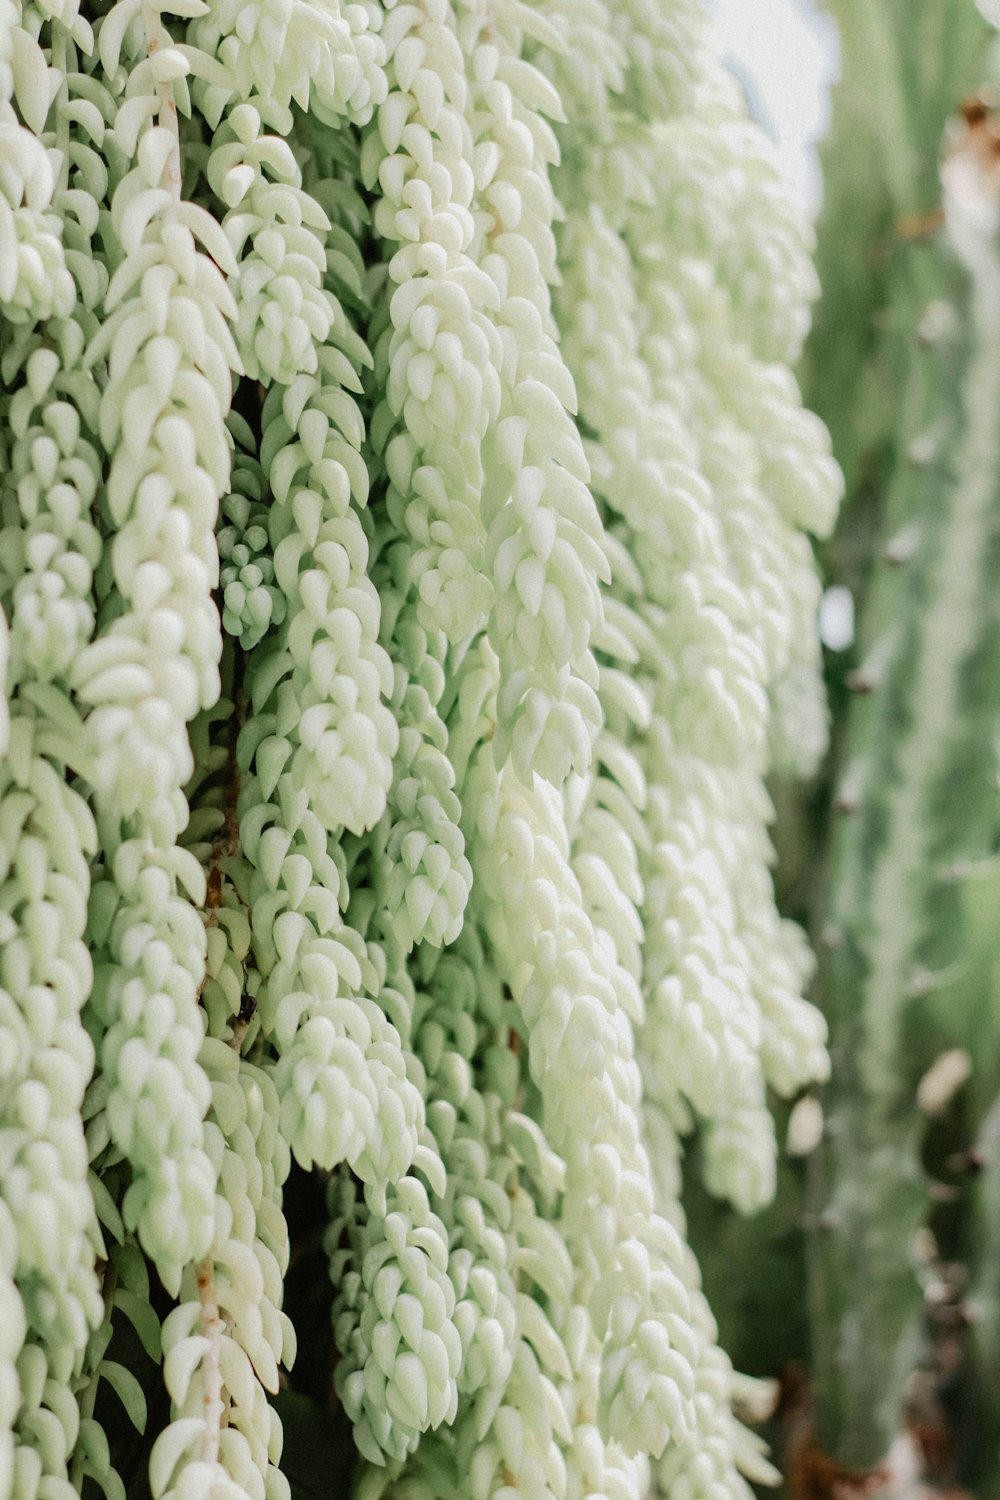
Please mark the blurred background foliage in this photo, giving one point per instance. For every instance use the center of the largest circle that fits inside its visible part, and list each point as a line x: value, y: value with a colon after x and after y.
x: 875, y: 1276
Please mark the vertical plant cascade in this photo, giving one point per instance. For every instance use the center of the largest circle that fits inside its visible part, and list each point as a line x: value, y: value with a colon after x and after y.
x: 405, y: 504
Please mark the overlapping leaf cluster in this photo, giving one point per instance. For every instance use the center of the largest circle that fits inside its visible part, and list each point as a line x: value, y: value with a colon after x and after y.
x: 405, y: 590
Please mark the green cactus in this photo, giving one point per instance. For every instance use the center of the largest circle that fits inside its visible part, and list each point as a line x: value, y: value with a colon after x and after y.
x: 983, y: 1303
x: 905, y: 67
x: 915, y: 807
x: 968, y: 1232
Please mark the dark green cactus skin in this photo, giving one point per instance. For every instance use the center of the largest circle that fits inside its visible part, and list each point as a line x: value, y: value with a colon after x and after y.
x: 916, y: 798
x: 914, y: 736
x: 983, y: 1399
x: 972, y: 1004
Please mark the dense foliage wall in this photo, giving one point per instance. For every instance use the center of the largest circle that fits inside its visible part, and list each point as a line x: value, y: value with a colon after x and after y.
x: 406, y: 589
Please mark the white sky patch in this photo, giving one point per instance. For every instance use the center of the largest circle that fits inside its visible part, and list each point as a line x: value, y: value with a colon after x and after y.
x: 785, y: 54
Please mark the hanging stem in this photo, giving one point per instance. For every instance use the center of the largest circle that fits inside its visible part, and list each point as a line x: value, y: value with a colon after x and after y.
x: 167, y: 115
x: 60, y: 61
x: 88, y: 1399
x: 212, y: 1402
